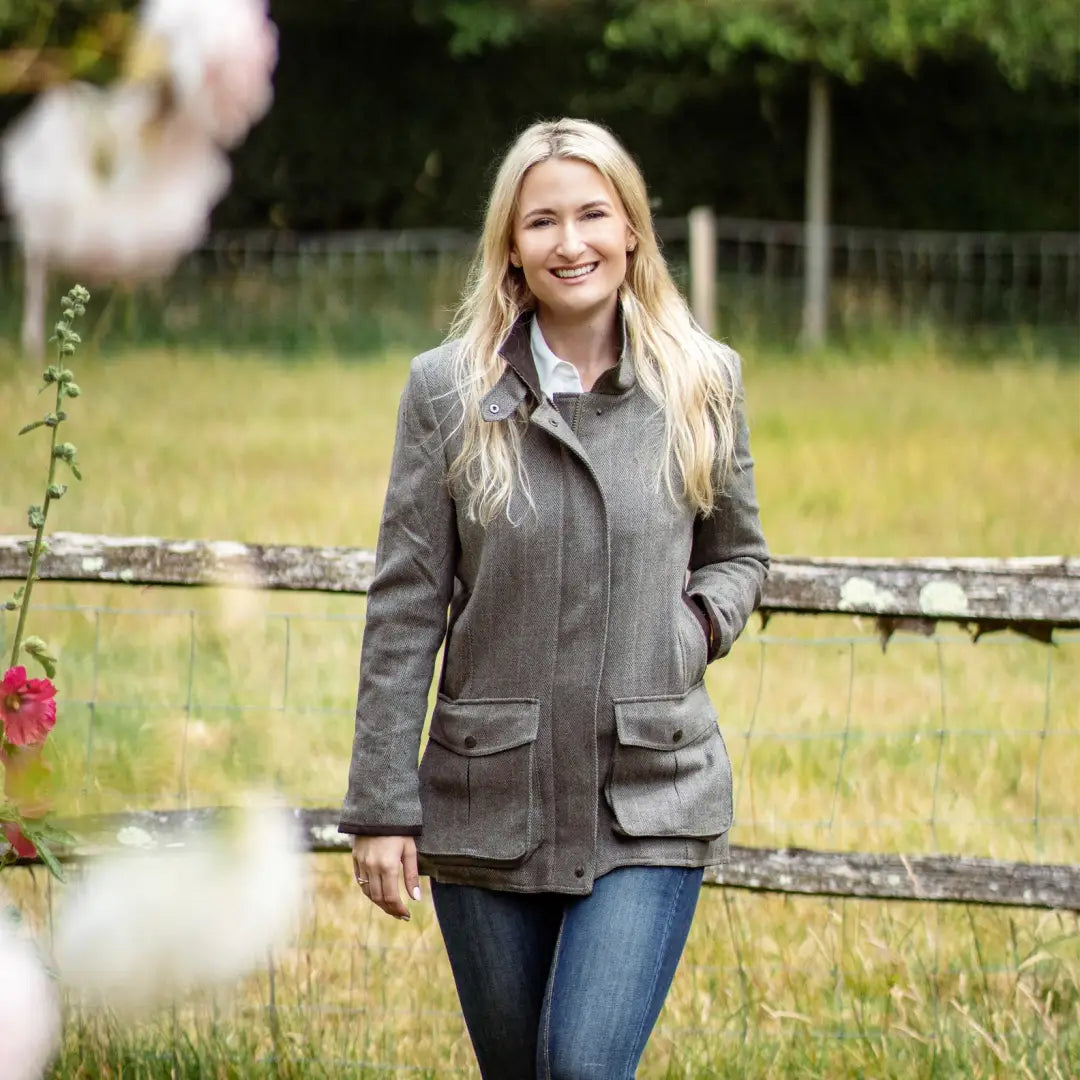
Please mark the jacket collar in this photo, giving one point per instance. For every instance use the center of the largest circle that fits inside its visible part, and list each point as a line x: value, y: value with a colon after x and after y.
x: 520, y: 377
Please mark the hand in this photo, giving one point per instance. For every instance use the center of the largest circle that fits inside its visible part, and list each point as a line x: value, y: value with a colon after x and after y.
x: 376, y: 864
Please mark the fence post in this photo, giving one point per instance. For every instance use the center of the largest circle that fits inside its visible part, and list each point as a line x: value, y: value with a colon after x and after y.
x: 35, y: 288
x: 702, y: 223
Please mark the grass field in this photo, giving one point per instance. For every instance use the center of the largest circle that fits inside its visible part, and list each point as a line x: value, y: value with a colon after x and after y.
x: 181, y: 697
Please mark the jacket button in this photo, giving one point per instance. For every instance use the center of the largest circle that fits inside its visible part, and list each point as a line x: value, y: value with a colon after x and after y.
x: 470, y: 742
x: 579, y: 871
x: 493, y: 408
x: 677, y: 737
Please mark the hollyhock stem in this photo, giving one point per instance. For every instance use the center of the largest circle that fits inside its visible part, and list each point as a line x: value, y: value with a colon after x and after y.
x: 35, y: 554
x: 74, y: 304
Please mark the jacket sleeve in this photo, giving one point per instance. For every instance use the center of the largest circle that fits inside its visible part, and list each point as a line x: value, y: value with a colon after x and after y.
x: 406, y: 621
x: 729, y: 559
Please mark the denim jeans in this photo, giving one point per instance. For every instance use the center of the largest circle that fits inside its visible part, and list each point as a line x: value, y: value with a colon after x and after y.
x: 568, y: 986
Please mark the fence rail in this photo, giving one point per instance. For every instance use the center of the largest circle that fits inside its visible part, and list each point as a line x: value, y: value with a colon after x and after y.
x: 1030, y: 595
x: 784, y: 870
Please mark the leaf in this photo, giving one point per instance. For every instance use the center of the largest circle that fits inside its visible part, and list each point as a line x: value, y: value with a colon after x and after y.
x: 40, y: 651
x: 30, y: 427
x: 45, y: 854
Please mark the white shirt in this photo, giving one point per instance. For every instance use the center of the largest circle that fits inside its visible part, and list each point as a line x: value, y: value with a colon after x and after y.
x: 556, y: 376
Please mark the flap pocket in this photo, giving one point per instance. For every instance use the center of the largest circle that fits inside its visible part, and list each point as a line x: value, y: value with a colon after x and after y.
x: 479, y: 789
x: 670, y: 773
x: 666, y: 722
x: 475, y: 727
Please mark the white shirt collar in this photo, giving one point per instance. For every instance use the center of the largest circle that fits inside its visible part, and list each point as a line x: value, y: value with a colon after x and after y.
x: 556, y: 376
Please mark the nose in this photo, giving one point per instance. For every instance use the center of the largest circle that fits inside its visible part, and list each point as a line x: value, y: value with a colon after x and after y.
x: 571, y: 244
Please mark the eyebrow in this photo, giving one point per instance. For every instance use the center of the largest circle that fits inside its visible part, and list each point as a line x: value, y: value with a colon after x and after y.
x: 584, y: 206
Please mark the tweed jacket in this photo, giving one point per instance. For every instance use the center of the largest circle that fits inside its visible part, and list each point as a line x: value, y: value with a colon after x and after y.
x: 572, y: 732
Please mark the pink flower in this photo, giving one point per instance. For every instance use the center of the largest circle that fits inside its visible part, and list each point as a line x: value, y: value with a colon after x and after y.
x: 27, y: 708
x: 221, y: 55
x: 20, y: 845
x: 105, y: 184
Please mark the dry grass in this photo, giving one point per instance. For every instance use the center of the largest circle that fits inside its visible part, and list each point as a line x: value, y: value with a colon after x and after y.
x: 935, y: 745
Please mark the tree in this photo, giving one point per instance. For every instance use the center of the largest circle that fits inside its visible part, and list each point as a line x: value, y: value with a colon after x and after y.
x: 815, y: 40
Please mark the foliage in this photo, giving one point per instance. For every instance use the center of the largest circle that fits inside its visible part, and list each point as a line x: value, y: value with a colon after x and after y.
x: 390, y: 114
x: 1025, y: 37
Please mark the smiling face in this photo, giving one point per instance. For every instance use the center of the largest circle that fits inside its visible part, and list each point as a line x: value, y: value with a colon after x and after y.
x: 570, y: 238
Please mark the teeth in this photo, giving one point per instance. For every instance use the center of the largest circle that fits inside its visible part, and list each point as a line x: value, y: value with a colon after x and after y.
x: 580, y: 271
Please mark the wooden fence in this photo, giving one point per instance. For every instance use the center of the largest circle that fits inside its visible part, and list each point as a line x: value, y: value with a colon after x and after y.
x: 1031, y: 596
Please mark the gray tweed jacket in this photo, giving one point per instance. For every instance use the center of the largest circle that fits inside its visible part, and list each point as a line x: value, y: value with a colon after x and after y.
x: 572, y: 732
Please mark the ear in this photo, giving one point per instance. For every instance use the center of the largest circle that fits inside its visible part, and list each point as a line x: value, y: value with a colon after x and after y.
x: 631, y: 241
x: 515, y: 258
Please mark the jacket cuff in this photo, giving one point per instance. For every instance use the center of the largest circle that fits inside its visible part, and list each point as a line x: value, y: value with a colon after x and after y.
x: 378, y: 830
x: 701, y: 611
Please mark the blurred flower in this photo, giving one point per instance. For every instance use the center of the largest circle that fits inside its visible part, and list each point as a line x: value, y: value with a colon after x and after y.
x: 22, y: 846
x: 27, y: 707
x: 220, y: 55
x: 141, y: 927
x: 29, y: 1010
x: 27, y: 779
x: 107, y: 183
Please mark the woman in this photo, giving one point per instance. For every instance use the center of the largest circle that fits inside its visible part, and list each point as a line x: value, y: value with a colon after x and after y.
x: 571, y: 510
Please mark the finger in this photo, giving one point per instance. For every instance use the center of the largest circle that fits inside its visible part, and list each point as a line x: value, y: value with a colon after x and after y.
x: 390, y: 890
x: 360, y: 872
x: 412, y: 874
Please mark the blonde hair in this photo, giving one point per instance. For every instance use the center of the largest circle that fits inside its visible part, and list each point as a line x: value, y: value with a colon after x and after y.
x: 689, y: 375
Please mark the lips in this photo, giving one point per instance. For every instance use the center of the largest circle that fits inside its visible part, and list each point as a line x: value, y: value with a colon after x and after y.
x: 573, y: 273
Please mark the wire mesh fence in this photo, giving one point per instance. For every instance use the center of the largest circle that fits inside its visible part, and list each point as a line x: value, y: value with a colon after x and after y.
x: 933, y: 745
x: 364, y: 291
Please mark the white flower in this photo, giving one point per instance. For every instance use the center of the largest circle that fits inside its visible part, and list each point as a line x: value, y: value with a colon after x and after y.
x: 221, y: 55
x: 106, y: 184
x: 29, y: 1010
x: 141, y: 927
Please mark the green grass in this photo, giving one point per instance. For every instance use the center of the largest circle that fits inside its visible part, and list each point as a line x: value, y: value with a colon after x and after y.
x: 177, y: 697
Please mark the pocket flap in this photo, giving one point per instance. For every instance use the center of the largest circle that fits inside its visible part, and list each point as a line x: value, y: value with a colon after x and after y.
x: 477, y: 726
x: 667, y: 722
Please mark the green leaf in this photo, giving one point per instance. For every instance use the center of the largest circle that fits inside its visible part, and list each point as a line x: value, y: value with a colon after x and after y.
x: 75, y: 470
x: 45, y: 854
x: 41, y: 652
x: 30, y: 427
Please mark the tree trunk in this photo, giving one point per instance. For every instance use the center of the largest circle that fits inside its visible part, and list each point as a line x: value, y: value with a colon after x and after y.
x: 818, y: 149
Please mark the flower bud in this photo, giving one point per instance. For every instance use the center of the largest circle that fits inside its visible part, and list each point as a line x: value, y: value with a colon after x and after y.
x: 35, y: 517
x: 56, y: 491
x: 71, y: 389
x: 67, y: 349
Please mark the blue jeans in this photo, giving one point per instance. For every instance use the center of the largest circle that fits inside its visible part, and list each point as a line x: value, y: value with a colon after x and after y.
x: 570, y: 986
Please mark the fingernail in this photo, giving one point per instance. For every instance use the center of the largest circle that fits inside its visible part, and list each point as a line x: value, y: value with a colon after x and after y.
x: 416, y: 892
x: 404, y: 918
